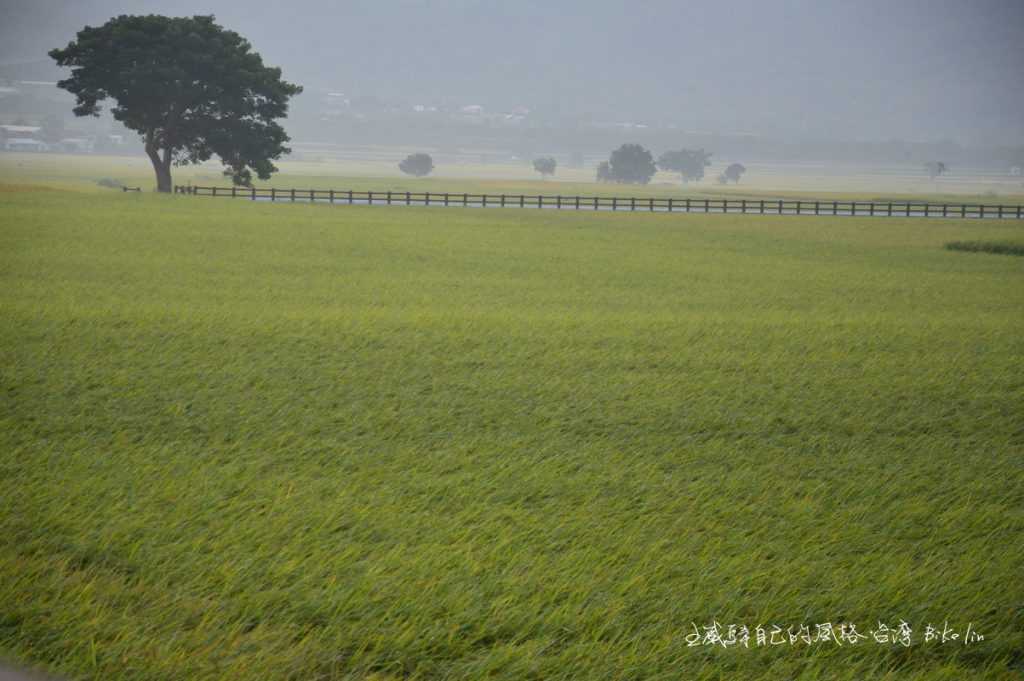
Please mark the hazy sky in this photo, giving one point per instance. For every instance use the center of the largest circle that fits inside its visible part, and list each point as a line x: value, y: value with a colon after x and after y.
x: 852, y: 69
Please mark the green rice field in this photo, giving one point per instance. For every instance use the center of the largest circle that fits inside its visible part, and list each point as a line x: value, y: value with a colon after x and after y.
x: 253, y: 441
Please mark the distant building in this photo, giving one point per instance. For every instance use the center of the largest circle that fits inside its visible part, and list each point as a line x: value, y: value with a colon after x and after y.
x: 21, y: 130
x: 76, y: 145
x: 25, y: 144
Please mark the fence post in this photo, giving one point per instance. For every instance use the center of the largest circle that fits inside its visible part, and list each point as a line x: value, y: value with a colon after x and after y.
x: 369, y: 198
x: 465, y: 200
x: 687, y: 205
x: 615, y: 203
x: 254, y: 193
x: 743, y: 205
x: 577, y: 203
x: 1000, y: 211
x: 293, y: 194
x: 215, y: 191
x: 408, y: 198
x: 816, y: 211
x: 670, y: 204
x: 522, y: 201
x: 725, y: 205
x: 389, y: 198
x: 273, y: 194
x: 650, y: 204
x: 963, y: 210
x: 890, y: 209
x: 632, y: 203
x: 798, y: 203
x: 330, y: 196
x: 446, y: 199
x: 502, y: 200
x: 945, y: 210
x: 926, y: 207
x: 595, y: 203
x: 762, y: 207
x: 312, y: 196
x: 707, y: 205
x: 780, y: 206
x: 835, y: 208
x: 540, y: 200
x: 1018, y: 211
x: 234, y: 191
x: 426, y: 198
x: 871, y: 208
x: 558, y: 202
x: 981, y: 211
x: 483, y: 201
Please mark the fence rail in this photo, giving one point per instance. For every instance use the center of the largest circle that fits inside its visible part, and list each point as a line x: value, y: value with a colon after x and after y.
x: 614, y: 203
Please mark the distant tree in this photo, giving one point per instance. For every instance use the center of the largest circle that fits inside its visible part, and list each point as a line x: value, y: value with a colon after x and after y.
x: 733, y: 173
x: 935, y: 169
x: 689, y: 163
x: 604, y: 172
x: 190, y: 88
x: 631, y: 164
x: 545, y: 165
x: 418, y: 165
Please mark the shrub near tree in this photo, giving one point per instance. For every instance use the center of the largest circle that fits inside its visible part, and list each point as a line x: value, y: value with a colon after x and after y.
x: 630, y: 164
x: 545, y: 166
x: 190, y: 88
x: 418, y: 165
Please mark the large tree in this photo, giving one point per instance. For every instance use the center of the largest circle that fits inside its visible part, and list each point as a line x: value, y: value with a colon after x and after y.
x: 689, y: 163
x: 189, y: 87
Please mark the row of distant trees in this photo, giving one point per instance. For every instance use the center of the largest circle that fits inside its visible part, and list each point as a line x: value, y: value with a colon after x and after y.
x: 629, y: 164
x: 632, y: 164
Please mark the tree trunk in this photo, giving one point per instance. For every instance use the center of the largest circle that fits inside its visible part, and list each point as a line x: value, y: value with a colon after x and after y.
x: 162, y: 167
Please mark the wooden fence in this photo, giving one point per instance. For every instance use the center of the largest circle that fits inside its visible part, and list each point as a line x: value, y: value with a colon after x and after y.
x: 613, y: 203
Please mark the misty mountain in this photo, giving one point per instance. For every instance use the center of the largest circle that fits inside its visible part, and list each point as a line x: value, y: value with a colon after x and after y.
x: 915, y: 69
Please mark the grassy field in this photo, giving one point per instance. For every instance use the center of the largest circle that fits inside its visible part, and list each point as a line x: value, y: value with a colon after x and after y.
x: 249, y: 441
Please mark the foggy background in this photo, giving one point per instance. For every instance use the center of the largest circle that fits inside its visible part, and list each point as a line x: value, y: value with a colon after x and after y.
x: 795, y: 78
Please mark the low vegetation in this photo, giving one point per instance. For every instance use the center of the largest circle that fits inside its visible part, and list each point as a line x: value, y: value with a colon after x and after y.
x: 247, y: 441
x: 998, y: 247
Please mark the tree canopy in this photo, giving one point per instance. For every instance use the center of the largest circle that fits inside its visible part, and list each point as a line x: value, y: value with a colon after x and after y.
x: 418, y: 165
x: 689, y: 163
x: 545, y: 165
x: 629, y: 164
x: 189, y: 87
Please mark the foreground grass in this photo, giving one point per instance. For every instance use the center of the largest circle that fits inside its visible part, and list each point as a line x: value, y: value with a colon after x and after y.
x: 297, y: 442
